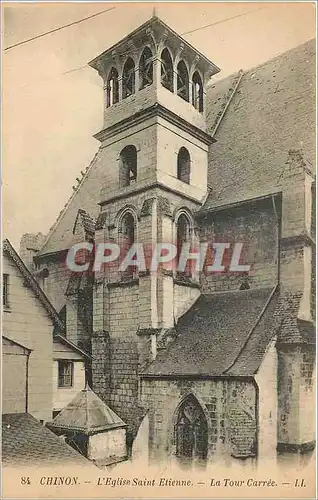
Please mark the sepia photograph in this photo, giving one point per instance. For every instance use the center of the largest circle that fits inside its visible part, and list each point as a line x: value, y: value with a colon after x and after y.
x: 158, y: 250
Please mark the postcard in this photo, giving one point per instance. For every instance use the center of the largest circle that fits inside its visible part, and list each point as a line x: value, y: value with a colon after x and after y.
x: 158, y: 250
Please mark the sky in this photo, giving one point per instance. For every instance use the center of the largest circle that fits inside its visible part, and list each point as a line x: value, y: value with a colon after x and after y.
x: 53, y: 101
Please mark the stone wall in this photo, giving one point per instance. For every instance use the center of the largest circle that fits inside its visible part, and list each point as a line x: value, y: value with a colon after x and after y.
x: 229, y: 407
x: 255, y: 226
x: 296, y: 400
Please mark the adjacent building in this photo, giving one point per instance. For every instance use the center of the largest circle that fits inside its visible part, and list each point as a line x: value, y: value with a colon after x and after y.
x: 42, y: 369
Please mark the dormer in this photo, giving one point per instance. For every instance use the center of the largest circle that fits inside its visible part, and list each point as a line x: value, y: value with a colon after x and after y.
x: 152, y: 66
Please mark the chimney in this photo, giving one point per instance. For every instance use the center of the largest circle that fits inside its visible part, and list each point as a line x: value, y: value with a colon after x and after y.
x: 30, y: 244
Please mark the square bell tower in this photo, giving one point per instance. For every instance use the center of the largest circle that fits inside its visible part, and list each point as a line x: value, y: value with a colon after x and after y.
x: 154, y: 156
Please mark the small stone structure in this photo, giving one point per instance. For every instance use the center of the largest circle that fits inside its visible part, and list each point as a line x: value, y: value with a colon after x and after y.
x: 92, y: 428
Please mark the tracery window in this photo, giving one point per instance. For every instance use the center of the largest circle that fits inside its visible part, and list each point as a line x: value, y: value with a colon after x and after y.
x: 191, y: 431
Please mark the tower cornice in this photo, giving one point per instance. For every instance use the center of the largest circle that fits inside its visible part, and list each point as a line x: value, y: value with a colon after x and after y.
x: 155, y: 29
x: 156, y: 110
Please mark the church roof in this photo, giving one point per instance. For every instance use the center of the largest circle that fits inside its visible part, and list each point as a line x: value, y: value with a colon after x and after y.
x: 256, y: 118
x: 271, y: 110
x: 223, y: 334
x: 87, y: 414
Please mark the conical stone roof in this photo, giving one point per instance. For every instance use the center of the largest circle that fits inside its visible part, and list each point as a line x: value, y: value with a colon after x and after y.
x: 88, y: 414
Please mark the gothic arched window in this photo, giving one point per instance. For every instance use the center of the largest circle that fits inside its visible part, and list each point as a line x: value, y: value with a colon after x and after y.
x: 127, y: 166
x: 191, y: 431
x: 112, y: 88
x: 166, y: 70
x: 146, y: 68
x: 127, y: 235
x: 197, y: 92
x: 183, y: 165
x: 128, y: 78
x: 183, y: 236
x: 183, y: 81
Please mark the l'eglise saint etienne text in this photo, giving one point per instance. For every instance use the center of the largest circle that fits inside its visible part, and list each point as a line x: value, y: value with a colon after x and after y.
x: 137, y: 481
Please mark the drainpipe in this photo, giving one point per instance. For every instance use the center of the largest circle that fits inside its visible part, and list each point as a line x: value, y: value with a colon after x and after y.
x: 27, y: 383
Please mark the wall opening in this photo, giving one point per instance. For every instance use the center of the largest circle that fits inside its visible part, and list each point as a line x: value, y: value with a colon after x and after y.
x: 183, y: 165
x: 183, y: 81
x: 146, y: 68
x: 127, y: 166
x: 128, y: 78
x: 166, y: 70
x: 197, y: 92
x: 112, y: 88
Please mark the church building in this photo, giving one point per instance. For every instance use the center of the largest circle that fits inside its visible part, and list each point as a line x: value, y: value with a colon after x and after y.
x: 220, y: 364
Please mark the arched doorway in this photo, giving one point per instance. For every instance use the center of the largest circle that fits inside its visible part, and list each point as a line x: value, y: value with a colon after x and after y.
x: 191, y: 432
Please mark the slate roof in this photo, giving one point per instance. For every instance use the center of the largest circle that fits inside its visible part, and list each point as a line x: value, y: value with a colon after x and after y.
x: 88, y: 414
x: 220, y: 335
x: 26, y: 442
x: 271, y: 111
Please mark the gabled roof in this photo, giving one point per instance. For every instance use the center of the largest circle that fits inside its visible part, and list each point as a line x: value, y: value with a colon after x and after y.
x: 26, y: 442
x: 21, y: 347
x: 32, y: 283
x: 87, y: 414
x: 218, y: 336
x: 69, y: 343
x: 87, y: 222
x: 265, y: 113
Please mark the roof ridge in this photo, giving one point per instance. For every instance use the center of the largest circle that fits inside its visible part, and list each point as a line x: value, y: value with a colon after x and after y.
x: 227, y: 100
x: 278, y: 55
x: 62, y: 338
x: 254, y: 326
x: 67, y: 204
